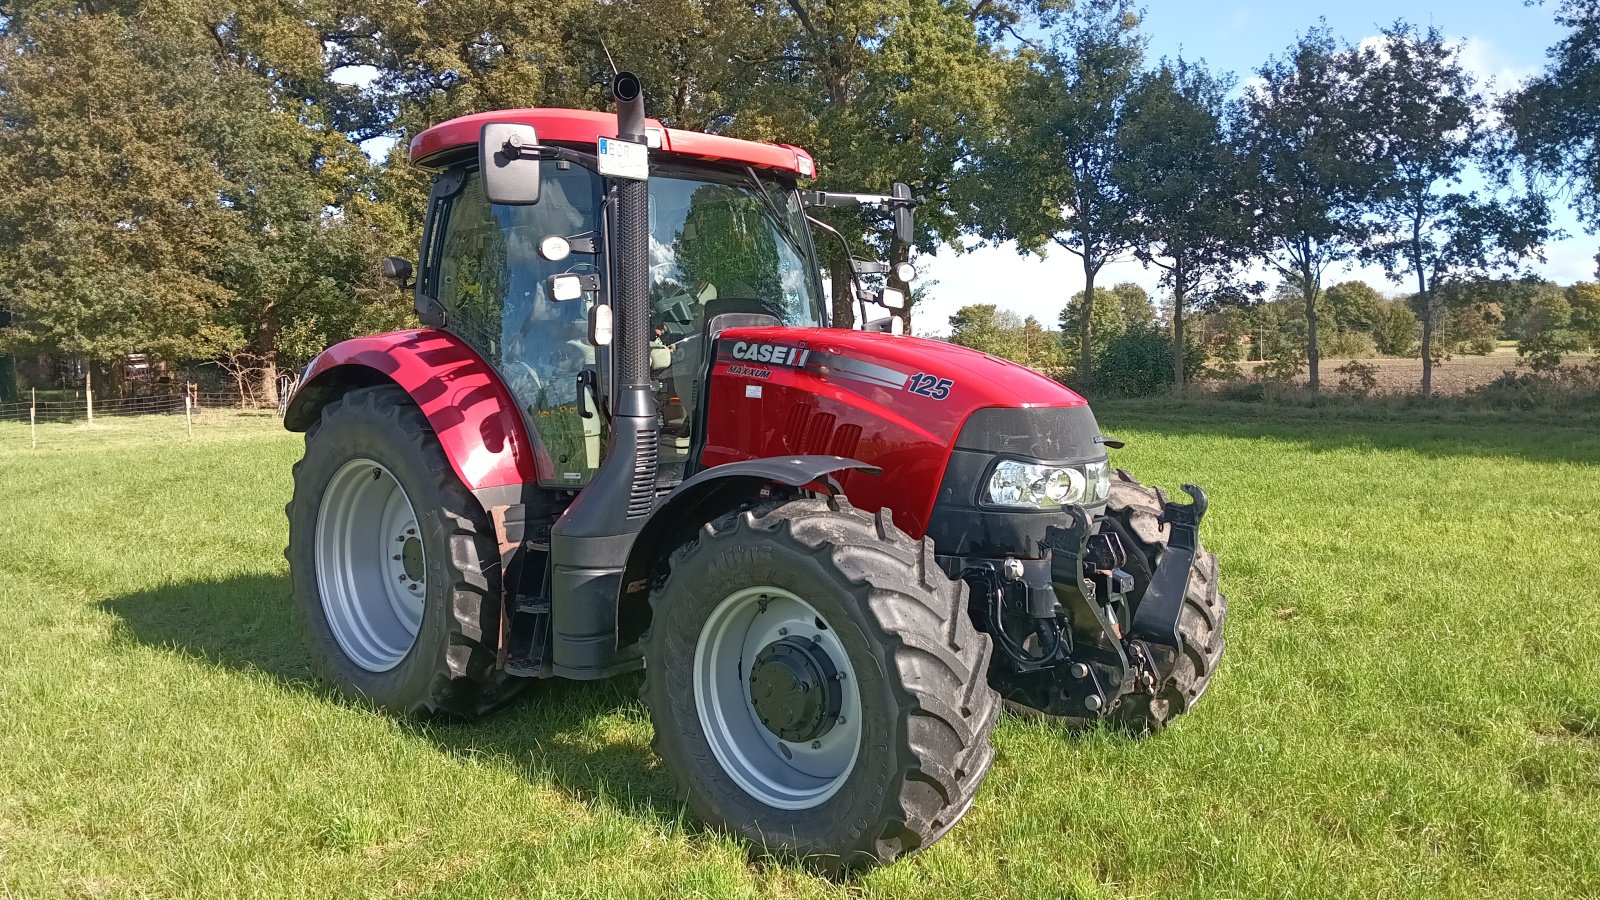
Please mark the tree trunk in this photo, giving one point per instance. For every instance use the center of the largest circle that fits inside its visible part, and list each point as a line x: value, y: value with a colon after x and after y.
x: 1308, y: 289
x: 265, y: 347
x: 267, y: 388
x: 1179, y: 289
x: 844, y: 295
x: 1086, y: 321
x: 1426, y: 296
x: 1427, y: 350
x: 8, y: 367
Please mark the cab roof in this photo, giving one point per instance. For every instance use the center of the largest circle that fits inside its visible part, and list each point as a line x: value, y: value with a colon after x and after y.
x: 582, y: 126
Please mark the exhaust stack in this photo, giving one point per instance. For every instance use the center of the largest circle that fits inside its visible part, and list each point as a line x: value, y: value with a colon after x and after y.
x: 590, y: 541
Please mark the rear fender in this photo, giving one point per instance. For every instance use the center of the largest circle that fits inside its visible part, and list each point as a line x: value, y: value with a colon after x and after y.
x: 697, y: 501
x: 461, y: 395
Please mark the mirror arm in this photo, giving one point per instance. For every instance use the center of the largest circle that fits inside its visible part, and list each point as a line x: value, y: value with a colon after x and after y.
x: 849, y: 260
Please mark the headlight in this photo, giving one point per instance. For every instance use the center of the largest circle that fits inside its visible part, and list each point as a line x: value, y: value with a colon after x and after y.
x: 1032, y: 485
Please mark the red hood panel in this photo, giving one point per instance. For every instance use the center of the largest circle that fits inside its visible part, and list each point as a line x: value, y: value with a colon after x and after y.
x: 896, y: 402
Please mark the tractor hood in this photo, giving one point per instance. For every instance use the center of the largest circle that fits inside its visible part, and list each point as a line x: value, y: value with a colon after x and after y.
x: 903, y: 404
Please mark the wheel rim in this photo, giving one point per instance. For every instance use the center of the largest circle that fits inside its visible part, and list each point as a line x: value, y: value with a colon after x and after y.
x: 755, y: 650
x: 371, y: 569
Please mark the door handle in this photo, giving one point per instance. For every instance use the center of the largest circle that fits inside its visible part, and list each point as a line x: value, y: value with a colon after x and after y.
x: 586, y: 380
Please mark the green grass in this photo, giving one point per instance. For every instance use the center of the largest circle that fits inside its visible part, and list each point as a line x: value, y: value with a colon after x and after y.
x: 1409, y: 706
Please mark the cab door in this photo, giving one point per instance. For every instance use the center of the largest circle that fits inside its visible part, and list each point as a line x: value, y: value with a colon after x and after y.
x: 489, y: 269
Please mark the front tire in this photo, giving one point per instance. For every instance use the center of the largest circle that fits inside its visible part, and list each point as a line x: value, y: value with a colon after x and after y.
x: 392, y: 562
x: 1135, y: 511
x: 740, y: 685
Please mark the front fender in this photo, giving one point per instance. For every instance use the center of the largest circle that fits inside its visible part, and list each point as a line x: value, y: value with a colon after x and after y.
x: 698, y: 500
x: 461, y: 395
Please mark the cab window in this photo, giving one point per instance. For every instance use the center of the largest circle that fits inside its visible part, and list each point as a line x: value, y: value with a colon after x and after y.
x: 491, y: 281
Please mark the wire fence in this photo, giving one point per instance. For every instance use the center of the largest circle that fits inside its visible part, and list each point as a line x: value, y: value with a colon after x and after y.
x: 58, y: 410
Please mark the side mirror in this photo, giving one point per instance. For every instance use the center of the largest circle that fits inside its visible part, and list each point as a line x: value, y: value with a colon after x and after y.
x: 892, y: 298
x: 510, y: 163
x: 904, y: 226
x: 397, y: 270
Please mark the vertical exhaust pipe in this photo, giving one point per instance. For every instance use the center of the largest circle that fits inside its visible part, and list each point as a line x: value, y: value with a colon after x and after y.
x: 590, y: 542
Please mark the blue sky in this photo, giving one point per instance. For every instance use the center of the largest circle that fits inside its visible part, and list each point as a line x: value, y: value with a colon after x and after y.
x: 1503, y: 40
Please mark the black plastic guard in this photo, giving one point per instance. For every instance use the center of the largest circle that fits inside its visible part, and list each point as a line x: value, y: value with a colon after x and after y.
x: 1156, y: 620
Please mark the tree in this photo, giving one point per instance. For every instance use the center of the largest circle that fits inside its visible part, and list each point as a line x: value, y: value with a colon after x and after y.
x: 1047, y: 178
x: 1304, y: 146
x: 1427, y: 116
x: 1179, y: 172
x: 1394, y: 328
x: 1353, y: 305
x: 1125, y: 306
x: 1554, y: 118
x: 985, y: 327
x: 107, y: 204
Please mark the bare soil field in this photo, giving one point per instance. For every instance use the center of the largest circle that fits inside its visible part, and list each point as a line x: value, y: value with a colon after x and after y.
x: 1454, y: 376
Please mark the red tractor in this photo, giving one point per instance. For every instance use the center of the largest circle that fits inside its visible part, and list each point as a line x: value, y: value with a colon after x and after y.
x: 624, y: 439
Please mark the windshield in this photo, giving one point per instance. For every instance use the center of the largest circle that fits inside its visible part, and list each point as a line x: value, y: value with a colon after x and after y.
x: 727, y: 243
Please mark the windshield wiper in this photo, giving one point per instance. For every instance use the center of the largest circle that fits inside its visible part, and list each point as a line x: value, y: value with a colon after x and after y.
x: 778, y: 218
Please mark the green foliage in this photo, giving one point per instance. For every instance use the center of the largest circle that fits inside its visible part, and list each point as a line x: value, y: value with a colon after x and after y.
x: 109, y: 229
x: 1137, y: 362
x: 1000, y: 333
x: 1307, y: 138
x: 1426, y: 105
x: 1181, y: 173
x: 1047, y: 174
x: 1357, y: 379
x: 1352, y: 305
x: 1554, y: 118
x: 1395, y: 329
x: 1548, y: 385
x: 1123, y: 307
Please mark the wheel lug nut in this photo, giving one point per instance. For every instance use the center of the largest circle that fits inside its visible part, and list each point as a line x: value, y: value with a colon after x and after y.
x: 816, y: 745
x: 783, y: 631
x: 397, y: 557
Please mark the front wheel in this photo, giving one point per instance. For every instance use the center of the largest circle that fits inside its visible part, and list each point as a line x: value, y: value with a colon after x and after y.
x: 816, y: 685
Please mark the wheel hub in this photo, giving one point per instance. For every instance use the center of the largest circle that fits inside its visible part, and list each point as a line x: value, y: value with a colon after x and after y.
x: 411, y: 558
x: 795, y: 690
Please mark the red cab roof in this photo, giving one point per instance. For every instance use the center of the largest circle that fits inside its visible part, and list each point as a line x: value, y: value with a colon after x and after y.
x: 583, y: 126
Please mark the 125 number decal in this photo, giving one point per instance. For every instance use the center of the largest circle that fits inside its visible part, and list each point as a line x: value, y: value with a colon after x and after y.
x: 930, y: 386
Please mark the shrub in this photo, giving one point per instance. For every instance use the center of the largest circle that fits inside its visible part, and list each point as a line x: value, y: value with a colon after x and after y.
x: 1567, y: 388
x: 1357, y: 379
x: 1282, y: 368
x: 1138, y: 363
x: 1243, y: 392
x: 1349, y: 345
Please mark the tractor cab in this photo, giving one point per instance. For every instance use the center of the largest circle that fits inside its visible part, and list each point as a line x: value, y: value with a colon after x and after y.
x: 527, y: 279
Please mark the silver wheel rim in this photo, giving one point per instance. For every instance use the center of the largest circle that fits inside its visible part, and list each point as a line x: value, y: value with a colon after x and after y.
x: 782, y: 774
x: 371, y: 569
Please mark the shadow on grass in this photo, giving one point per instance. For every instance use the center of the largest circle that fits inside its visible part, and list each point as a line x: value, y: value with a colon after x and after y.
x: 1351, y: 427
x: 553, y: 734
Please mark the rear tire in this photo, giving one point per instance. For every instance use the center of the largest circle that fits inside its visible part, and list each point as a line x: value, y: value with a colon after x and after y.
x: 912, y: 662
x: 437, y: 655
x: 1136, y: 510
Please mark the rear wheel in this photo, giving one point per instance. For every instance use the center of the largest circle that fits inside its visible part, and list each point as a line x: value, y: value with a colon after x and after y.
x: 1135, y: 511
x: 816, y: 685
x: 392, y: 562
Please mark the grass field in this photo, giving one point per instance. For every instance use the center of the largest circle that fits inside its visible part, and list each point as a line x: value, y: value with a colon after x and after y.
x: 1409, y: 706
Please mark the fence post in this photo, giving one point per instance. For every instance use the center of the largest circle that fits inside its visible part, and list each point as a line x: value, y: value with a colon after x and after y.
x: 33, y: 417
x: 188, y: 415
x: 88, y: 393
